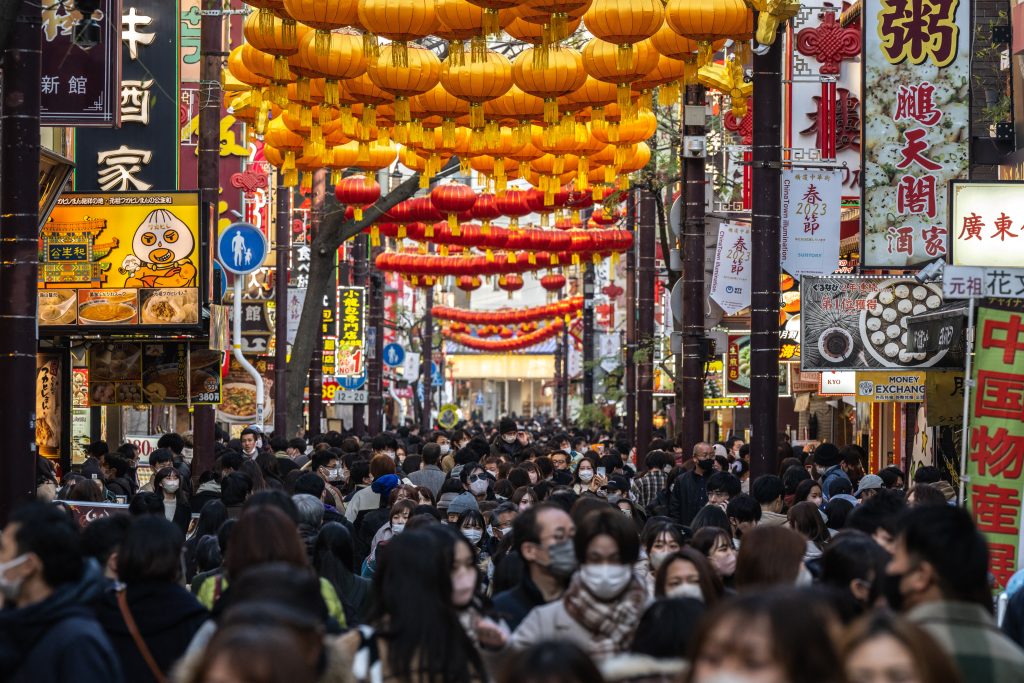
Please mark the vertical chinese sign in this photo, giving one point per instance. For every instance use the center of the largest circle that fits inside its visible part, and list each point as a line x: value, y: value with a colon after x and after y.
x: 917, y: 60
x: 996, y: 448
x: 142, y: 154
x: 810, y: 221
x: 351, y: 331
x: 730, y: 284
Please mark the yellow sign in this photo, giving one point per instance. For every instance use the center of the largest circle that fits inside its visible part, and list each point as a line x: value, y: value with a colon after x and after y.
x: 890, y: 387
x: 945, y: 391
x: 125, y: 259
x: 448, y: 416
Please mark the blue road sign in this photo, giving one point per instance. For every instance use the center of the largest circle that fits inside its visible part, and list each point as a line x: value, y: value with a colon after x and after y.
x: 353, y: 383
x: 241, y: 248
x: 436, y: 378
x: 394, y: 355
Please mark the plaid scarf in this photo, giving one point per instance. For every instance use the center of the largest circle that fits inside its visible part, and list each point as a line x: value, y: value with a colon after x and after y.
x: 611, y: 623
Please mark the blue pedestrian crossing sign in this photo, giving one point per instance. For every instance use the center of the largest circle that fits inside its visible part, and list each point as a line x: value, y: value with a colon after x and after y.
x: 394, y: 355
x: 241, y: 248
x: 353, y: 383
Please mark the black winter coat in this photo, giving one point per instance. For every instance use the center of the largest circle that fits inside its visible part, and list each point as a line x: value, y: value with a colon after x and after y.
x: 689, y: 495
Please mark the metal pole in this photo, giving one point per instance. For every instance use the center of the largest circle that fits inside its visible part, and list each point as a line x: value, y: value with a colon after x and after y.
x: 316, y: 368
x: 646, y: 275
x: 765, y: 214
x: 694, y: 180
x: 427, y: 347
x: 630, y: 393
x: 588, y: 334
x: 282, y: 241
x: 236, y: 349
x: 968, y: 383
x: 19, y: 254
x: 359, y: 280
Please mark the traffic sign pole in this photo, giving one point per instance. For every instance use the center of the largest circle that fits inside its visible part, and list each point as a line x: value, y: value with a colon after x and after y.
x: 236, y: 349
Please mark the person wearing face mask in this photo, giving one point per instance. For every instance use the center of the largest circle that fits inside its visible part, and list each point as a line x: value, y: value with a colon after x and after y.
x: 48, y: 630
x: 176, y: 508
x: 604, y: 601
x: 660, y: 540
x: 587, y: 478
x: 430, y: 475
x: 687, y: 573
x: 477, y: 481
x: 829, y: 466
x: 542, y: 537
x: 716, y: 544
x: 385, y: 444
x: 689, y: 492
x: 471, y: 525
x: 506, y: 442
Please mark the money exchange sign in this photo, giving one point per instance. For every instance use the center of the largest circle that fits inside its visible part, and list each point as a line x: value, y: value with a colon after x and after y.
x: 996, y: 447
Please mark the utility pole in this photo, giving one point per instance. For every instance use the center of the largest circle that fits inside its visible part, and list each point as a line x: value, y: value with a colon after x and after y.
x: 764, y: 300
x: 630, y: 389
x: 19, y: 254
x: 692, y: 378
x: 316, y: 365
x: 427, y: 347
x: 646, y: 275
x: 359, y: 280
x: 282, y: 241
x: 588, y: 334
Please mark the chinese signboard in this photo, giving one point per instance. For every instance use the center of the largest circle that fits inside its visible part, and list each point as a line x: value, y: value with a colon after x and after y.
x: 49, y: 391
x: 80, y: 87
x: 973, y: 282
x: 916, y: 126
x: 996, y: 446
x: 811, y: 202
x: 730, y: 284
x: 737, y: 368
x: 987, y: 224
x: 351, y: 331
x: 944, y: 396
x: 120, y: 260
x: 142, y: 154
x: 890, y: 387
x: 127, y: 373
x: 851, y: 323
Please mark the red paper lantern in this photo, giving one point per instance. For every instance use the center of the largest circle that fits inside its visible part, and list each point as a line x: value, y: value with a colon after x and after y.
x: 510, y: 283
x: 514, y: 204
x: 485, y: 209
x: 359, y: 195
x: 553, y: 282
x: 468, y: 283
x: 453, y: 199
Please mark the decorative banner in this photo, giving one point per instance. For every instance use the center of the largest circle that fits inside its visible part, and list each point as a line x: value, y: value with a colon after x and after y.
x: 49, y: 392
x: 859, y: 323
x: 80, y: 387
x: 80, y: 87
x: 916, y: 126
x: 351, y: 331
x: 142, y: 154
x: 944, y: 396
x: 988, y: 222
x: 164, y: 373
x: 890, y: 387
x: 839, y: 383
x: 120, y: 260
x: 811, y: 203
x: 730, y: 284
x: 994, y: 467
x: 296, y: 299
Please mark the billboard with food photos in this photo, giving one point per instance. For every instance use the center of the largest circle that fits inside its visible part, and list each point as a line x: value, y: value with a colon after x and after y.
x: 852, y: 322
x: 120, y: 261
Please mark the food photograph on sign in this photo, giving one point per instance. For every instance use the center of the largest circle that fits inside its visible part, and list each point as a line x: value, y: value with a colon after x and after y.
x: 119, y: 260
x: 851, y: 322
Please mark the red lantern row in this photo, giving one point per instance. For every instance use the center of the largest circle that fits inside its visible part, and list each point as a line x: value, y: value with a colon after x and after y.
x: 509, y: 316
x: 515, y: 343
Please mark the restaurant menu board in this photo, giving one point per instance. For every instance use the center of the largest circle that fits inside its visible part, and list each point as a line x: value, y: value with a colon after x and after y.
x: 239, y: 404
x: 120, y: 260
x: 126, y: 373
x: 860, y: 323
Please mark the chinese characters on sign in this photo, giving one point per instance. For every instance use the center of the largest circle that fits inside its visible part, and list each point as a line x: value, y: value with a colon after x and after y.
x: 996, y: 446
x: 351, y: 331
x: 810, y: 221
x: 730, y: 284
x: 973, y: 282
x: 915, y: 131
x: 988, y: 224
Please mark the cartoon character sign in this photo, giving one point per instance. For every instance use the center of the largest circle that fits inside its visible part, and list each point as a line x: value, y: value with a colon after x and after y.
x: 162, y: 246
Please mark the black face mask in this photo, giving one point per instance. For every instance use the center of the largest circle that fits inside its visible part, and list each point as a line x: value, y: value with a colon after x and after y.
x: 891, y: 590
x: 706, y: 465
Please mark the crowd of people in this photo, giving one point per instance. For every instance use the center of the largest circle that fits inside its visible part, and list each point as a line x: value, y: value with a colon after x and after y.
x: 518, y: 553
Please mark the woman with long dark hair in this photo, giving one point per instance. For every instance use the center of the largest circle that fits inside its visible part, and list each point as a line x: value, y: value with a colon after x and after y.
x: 334, y: 560
x: 213, y: 514
x: 413, y: 634
x: 167, y: 483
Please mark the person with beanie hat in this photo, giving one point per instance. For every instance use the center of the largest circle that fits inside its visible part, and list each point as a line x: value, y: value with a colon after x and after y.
x: 505, y: 441
x: 462, y: 502
x: 828, y: 464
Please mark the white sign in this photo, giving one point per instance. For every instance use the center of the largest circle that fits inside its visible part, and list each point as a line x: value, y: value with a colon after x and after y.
x: 360, y: 396
x: 810, y: 221
x: 972, y: 282
x: 916, y: 126
x: 988, y: 224
x: 411, y: 366
x: 296, y: 299
x: 730, y: 284
x: 841, y: 383
x: 609, y: 350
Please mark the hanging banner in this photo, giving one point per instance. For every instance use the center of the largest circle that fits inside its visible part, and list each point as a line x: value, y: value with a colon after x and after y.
x: 49, y: 393
x: 994, y: 466
x: 987, y: 224
x: 120, y: 261
x: 730, y: 283
x: 811, y: 203
x: 351, y: 331
x: 944, y: 396
x: 80, y: 87
x: 859, y: 323
x: 142, y: 154
x: 890, y: 387
x: 916, y: 126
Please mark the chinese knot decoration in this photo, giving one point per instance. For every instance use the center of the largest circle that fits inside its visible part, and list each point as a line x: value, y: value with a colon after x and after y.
x: 742, y: 126
x: 829, y: 42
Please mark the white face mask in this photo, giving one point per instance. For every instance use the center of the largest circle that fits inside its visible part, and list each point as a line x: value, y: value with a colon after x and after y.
x: 508, y: 438
x: 390, y: 454
x: 658, y: 558
x: 11, y: 588
x: 446, y: 449
x: 336, y: 474
x: 478, y: 487
x: 606, y: 581
x: 473, y: 535
x: 804, y: 578
x: 186, y: 455
x: 170, y: 485
x: 586, y: 475
x: 686, y: 590
x: 397, y: 527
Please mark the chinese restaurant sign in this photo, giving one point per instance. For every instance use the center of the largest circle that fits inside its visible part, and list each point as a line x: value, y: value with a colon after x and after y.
x: 730, y: 284
x: 859, y: 323
x: 988, y: 224
x: 142, y: 154
x: 130, y: 373
x: 120, y: 260
x: 996, y: 446
x: 916, y: 125
x: 80, y: 87
x: 351, y: 331
x: 811, y: 203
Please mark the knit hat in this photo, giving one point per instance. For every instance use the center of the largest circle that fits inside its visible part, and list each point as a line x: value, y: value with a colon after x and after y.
x: 867, y: 482
x: 506, y: 425
x: 446, y: 499
x: 946, y: 489
x: 462, y: 502
x: 385, y: 484
x: 826, y: 455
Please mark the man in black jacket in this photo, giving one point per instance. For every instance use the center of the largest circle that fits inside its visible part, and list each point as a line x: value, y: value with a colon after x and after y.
x: 689, y: 492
